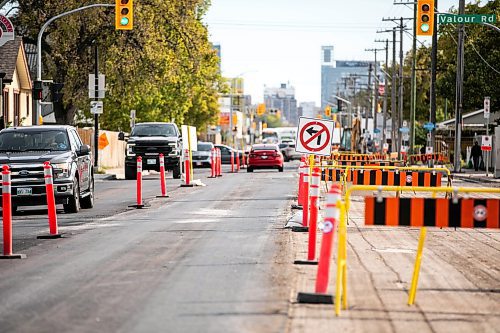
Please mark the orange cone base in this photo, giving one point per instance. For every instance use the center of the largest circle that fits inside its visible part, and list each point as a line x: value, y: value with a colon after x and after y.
x: 305, y: 262
x: 13, y: 256
x: 300, y: 229
x: 54, y: 236
x: 187, y: 185
x: 313, y: 298
x: 163, y: 196
x: 138, y: 206
x: 212, y: 177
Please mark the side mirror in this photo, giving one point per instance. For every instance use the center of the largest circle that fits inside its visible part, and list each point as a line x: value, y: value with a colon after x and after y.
x: 121, y: 136
x: 84, y: 150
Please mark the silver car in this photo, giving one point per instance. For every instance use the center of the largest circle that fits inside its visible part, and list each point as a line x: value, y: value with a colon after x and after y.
x: 201, y: 157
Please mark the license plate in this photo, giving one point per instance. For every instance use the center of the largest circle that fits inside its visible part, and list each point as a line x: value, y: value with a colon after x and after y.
x: 263, y: 157
x: 24, y: 191
x: 151, y: 161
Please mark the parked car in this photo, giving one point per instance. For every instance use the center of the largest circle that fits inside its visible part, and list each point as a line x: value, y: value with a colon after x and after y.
x: 287, y: 148
x: 25, y: 149
x: 148, y: 140
x: 201, y: 156
x: 225, y: 152
x: 265, y: 156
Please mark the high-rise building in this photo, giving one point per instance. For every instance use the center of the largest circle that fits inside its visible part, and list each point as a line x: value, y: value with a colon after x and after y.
x: 283, y: 99
x: 341, y: 77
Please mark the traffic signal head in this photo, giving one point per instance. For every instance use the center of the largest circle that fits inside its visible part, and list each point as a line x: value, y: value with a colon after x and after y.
x: 425, y: 17
x: 124, y: 18
x: 37, y: 90
x: 328, y: 111
x: 339, y: 105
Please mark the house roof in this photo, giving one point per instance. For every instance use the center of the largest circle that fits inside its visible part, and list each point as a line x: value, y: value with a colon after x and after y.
x: 479, y: 113
x: 8, y: 54
x: 13, y: 56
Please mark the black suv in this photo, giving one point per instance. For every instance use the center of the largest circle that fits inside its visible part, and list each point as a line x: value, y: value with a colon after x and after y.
x: 25, y: 149
x: 148, y: 140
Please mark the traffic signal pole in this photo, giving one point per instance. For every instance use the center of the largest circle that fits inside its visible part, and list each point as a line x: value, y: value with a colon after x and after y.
x: 39, y: 48
x: 432, y: 118
x: 459, y: 92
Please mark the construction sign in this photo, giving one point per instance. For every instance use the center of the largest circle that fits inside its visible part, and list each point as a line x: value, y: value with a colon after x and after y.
x: 486, y: 143
x: 103, y: 141
x: 314, y: 136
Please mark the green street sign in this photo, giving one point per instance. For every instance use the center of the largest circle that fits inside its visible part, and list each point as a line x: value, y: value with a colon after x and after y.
x: 466, y: 18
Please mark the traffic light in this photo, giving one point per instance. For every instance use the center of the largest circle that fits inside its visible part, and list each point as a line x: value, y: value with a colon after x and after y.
x: 261, y: 109
x: 339, y: 105
x: 328, y: 111
x: 37, y: 90
x: 425, y: 17
x: 124, y: 18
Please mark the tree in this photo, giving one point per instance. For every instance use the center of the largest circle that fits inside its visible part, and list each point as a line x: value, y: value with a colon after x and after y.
x: 164, y: 68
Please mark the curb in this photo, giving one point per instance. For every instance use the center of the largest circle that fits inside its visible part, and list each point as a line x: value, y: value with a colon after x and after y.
x: 476, y: 180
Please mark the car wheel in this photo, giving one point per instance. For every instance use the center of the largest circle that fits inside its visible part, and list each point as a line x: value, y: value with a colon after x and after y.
x: 280, y: 169
x: 88, y: 201
x: 177, y: 171
x: 249, y: 169
x: 130, y: 172
x: 73, y: 205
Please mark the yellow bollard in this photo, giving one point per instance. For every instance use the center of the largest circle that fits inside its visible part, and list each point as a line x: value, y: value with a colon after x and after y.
x: 416, y: 270
x: 341, y: 283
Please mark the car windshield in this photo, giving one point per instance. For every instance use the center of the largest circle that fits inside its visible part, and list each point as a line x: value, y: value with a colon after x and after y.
x: 264, y: 148
x: 154, y: 130
x: 34, y: 140
x: 204, y: 147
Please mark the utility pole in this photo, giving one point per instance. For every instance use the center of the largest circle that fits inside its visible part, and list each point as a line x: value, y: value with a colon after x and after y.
x: 432, y: 117
x: 369, y: 96
x: 375, y: 125
x: 96, y: 98
x: 413, y: 101
x: 459, y: 91
x: 386, y: 76
x: 401, y: 27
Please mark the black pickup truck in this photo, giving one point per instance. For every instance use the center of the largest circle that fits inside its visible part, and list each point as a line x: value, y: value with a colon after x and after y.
x: 25, y: 149
x: 148, y: 140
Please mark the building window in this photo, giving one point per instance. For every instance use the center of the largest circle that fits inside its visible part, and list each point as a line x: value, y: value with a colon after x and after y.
x: 17, y: 111
x: 327, y: 55
x: 6, y: 107
x: 28, y: 101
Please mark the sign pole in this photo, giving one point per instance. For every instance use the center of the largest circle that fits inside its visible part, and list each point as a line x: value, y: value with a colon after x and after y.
x: 96, y: 98
x: 486, y: 106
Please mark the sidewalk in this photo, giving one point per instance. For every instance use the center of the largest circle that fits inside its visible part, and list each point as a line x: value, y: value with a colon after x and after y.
x: 476, y: 177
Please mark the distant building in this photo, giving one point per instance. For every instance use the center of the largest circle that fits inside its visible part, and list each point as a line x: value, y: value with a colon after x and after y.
x: 283, y: 99
x: 341, y: 77
x: 308, y: 109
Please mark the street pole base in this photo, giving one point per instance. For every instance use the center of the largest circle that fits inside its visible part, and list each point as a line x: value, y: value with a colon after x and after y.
x: 50, y: 236
x: 13, y: 256
x: 297, y: 207
x: 138, y: 206
x: 163, y: 196
x: 305, y: 262
x: 300, y: 229
x: 313, y: 298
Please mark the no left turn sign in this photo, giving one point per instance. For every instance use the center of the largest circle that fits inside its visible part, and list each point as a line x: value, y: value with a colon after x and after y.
x: 314, y: 136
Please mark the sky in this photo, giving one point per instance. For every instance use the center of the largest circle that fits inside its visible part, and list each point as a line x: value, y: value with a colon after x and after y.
x: 269, y: 42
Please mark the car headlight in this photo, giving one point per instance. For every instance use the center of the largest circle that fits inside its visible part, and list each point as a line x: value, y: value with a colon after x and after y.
x: 61, y: 170
x: 130, y: 149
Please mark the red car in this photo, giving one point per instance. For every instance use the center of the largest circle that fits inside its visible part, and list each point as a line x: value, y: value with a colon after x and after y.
x: 265, y: 156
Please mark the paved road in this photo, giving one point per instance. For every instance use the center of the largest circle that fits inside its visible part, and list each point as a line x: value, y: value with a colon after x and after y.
x: 204, y: 260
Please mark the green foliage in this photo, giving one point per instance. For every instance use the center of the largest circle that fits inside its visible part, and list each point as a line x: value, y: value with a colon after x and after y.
x: 164, y: 68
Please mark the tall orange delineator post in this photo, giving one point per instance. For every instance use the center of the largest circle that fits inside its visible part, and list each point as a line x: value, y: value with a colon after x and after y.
x: 213, y: 166
x: 51, y: 202
x: 187, y: 170
x: 332, y: 216
x: 219, y: 163
x: 313, y: 213
x: 163, y: 184
x: 237, y: 161
x: 139, y: 203
x: 300, y: 193
x: 232, y: 161
x: 7, y: 216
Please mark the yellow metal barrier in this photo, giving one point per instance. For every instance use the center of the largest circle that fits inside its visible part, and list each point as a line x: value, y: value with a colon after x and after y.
x: 341, y: 283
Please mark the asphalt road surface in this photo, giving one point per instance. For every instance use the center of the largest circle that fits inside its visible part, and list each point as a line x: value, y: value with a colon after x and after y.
x: 203, y: 260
